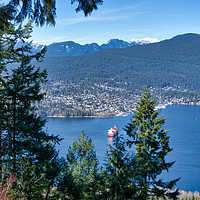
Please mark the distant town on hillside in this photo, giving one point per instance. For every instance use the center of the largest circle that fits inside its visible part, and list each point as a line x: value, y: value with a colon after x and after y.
x: 108, y: 82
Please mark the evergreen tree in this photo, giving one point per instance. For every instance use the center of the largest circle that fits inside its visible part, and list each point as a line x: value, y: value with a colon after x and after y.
x: 67, y: 186
x: 53, y: 168
x: 42, y: 11
x: 27, y: 151
x: 151, y: 144
x: 119, y: 171
x: 83, y: 166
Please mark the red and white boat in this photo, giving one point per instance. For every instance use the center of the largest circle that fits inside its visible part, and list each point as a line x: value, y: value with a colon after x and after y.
x: 112, y: 132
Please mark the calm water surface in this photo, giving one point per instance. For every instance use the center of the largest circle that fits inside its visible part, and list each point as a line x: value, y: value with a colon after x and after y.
x: 183, y: 123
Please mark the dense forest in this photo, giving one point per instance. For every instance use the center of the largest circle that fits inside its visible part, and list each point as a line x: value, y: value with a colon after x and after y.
x: 101, y: 83
x: 172, y: 63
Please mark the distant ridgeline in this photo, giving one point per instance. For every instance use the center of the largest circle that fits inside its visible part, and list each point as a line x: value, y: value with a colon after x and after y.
x: 70, y: 48
x: 171, y: 68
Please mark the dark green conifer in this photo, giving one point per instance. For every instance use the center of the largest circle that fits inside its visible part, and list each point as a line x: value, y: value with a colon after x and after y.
x: 26, y: 149
x: 67, y: 186
x: 41, y: 11
x: 83, y: 166
x: 151, y: 145
x: 119, y: 171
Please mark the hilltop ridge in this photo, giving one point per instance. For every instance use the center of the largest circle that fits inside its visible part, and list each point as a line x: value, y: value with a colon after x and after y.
x: 71, y: 48
x: 172, y: 62
x: 108, y: 82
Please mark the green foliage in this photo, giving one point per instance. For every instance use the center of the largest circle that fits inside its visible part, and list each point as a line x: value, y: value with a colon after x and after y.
x: 67, y: 186
x: 27, y: 151
x: 43, y: 11
x: 158, y: 65
x: 119, y: 171
x: 151, y: 144
x: 7, y: 14
x: 83, y: 167
x: 87, y: 6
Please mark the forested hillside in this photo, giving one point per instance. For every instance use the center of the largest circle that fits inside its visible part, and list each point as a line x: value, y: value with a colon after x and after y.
x: 108, y: 82
x: 173, y: 63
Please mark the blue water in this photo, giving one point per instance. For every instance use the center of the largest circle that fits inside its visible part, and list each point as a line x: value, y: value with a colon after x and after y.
x: 182, y: 121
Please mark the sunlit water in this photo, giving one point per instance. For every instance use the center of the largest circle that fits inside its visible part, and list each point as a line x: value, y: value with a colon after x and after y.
x: 183, y: 123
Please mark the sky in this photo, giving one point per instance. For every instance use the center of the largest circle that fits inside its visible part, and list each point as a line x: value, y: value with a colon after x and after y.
x: 122, y: 19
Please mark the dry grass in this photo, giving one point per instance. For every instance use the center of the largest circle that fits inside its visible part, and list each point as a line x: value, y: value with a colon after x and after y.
x: 183, y: 196
x: 189, y: 195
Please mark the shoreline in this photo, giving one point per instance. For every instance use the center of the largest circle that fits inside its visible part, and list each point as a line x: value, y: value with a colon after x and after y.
x: 121, y: 114
x: 76, y: 117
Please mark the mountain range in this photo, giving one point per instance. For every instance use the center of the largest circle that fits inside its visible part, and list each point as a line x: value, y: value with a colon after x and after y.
x: 70, y: 48
x: 169, y: 63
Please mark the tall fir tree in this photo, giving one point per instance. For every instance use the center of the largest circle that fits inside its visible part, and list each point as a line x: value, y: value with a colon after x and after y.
x: 67, y: 186
x: 151, y: 146
x: 29, y: 145
x: 83, y: 165
x: 119, y: 180
x: 26, y: 149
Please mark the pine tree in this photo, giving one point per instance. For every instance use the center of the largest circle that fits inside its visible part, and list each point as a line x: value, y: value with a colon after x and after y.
x: 119, y: 171
x: 41, y: 11
x: 83, y: 165
x: 27, y: 151
x: 67, y: 185
x: 151, y: 144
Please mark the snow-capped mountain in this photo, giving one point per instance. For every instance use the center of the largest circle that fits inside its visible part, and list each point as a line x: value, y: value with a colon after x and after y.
x: 144, y: 41
x: 70, y: 48
x: 35, y: 46
x: 115, y: 43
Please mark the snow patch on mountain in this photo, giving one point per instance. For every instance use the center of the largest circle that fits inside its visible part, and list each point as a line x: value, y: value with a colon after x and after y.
x: 70, y: 48
x: 37, y: 46
x: 144, y: 41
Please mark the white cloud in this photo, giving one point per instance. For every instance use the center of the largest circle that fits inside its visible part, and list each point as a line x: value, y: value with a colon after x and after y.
x: 106, y: 15
x: 70, y: 21
x: 134, y: 7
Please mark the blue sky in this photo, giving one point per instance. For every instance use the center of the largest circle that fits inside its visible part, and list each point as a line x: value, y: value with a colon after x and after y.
x: 122, y: 19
